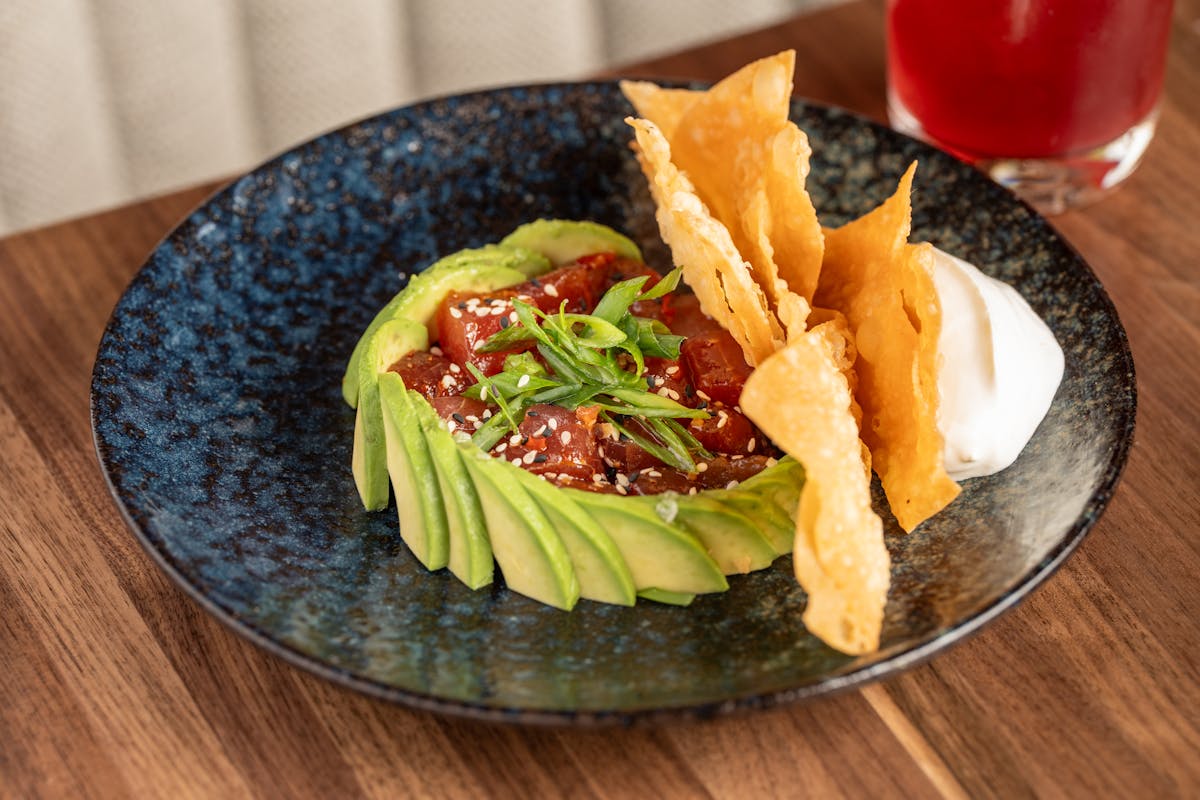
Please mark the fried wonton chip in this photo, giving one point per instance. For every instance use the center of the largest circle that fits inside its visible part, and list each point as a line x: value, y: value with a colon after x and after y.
x: 704, y: 251
x: 800, y: 398
x: 663, y: 107
x: 884, y: 286
x: 749, y: 163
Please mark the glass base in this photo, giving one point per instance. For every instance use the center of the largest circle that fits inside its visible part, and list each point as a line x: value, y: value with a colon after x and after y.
x: 1051, y: 185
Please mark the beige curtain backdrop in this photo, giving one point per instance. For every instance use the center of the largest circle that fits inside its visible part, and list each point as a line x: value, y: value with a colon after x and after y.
x: 104, y: 101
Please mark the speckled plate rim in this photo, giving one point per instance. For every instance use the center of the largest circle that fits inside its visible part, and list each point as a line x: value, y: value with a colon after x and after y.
x: 910, y: 655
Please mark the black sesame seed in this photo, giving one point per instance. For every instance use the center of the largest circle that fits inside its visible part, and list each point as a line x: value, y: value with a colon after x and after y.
x: 504, y: 322
x: 633, y: 476
x: 531, y: 413
x: 539, y: 458
x: 461, y: 306
x: 459, y: 418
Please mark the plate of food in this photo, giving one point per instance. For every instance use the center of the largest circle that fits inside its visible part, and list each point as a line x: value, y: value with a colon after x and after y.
x: 612, y: 402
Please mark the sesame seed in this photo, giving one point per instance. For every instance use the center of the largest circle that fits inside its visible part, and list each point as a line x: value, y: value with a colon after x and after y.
x: 702, y: 396
x: 738, y: 409
x: 692, y: 490
x: 512, y: 317
x: 499, y: 310
x: 455, y: 368
x: 750, y: 445
x: 435, y: 350
x: 469, y: 304
x: 663, y: 392
x: 530, y: 456
x: 674, y: 395
x: 454, y: 312
x: 672, y: 370
x: 472, y: 418
x: 515, y: 439
x: 522, y: 381
x: 731, y: 484
x: 553, y: 423
x: 504, y: 323
x: 544, y: 432
x: 597, y: 477
x: 500, y: 448
x: 459, y: 418
x: 487, y: 412
x: 701, y: 467
x: 448, y: 381
x: 622, y: 490
x: 565, y: 437
x: 633, y: 476
x: 550, y: 474
x: 531, y: 413
x: 622, y: 479
x: 771, y: 462
x: 516, y: 462
x: 552, y: 290
x: 540, y: 458
x: 653, y: 473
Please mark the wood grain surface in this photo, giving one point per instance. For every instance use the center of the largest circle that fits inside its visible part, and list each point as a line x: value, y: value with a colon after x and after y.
x: 114, y: 684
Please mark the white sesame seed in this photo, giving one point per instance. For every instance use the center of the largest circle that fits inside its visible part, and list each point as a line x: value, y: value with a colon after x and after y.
x: 498, y: 311
x: 553, y: 423
x: 702, y: 396
x: 622, y: 479
x: 701, y: 467
x: 512, y: 317
x: 653, y: 473
x: 522, y: 381
x: 721, y: 421
x: 674, y: 395
x: 454, y: 312
x: 516, y: 461
x: 552, y: 290
x: 471, y: 418
x: 515, y: 439
x: 692, y: 490
x: 530, y: 456
x: 622, y: 490
x: 750, y: 445
x: 487, y: 412
x: 500, y: 448
x: 549, y: 475
x: 435, y: 350
x: 771, y: 462
x: 672, y: 370
x: 663, y: 392
x: 448, y: 381
x: 597, y: 477
x: 731, y: 484
x: 736, y: 458
x: 455, y: 368
x: 738, y: 409
x: 565, y: 437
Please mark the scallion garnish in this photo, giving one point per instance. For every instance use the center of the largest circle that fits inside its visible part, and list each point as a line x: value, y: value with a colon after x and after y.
x: 589, y: 357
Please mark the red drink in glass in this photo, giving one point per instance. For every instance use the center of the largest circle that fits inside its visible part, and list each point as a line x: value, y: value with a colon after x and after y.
x: 1023, y: 80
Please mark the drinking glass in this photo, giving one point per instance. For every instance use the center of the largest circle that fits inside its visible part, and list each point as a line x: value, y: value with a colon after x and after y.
x: 1057, y: 99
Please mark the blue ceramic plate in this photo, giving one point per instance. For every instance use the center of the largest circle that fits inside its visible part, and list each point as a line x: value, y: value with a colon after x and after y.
x: 219, y: 422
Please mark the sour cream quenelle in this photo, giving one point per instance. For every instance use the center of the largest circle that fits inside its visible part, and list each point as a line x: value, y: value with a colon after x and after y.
x: 1001, y: 367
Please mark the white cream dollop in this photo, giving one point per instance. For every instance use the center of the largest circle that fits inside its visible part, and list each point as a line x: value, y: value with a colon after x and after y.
x: 1000, y: 369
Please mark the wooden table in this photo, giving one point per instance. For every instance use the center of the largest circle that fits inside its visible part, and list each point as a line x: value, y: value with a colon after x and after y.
x: 113, y: 683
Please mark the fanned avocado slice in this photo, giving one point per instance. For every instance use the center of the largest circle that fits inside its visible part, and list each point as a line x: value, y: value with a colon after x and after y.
x: 390, y: 341
x: 602, y: 572
x: 732, y: 539
x: 481, y: 269
x: 418, y: 496
x: 470, y: 558
x: 564, y: 240
x: 531, y: 555
x: 660, y: 556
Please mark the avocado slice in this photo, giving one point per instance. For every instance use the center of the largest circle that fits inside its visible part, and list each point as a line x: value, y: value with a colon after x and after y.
x: 563, y: 240
x: 369, y: 460
x: 419, y: 503
x: 774, y: 525
x: 659, y: 555
x: 480, y: 269
x: 531, y: 555
x: 732, y: 539
x: 602, y: 572
x: 669, y: 598
x: 470, y: 558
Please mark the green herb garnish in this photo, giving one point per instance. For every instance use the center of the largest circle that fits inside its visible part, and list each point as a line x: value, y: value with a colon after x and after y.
x: 590, y: 355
